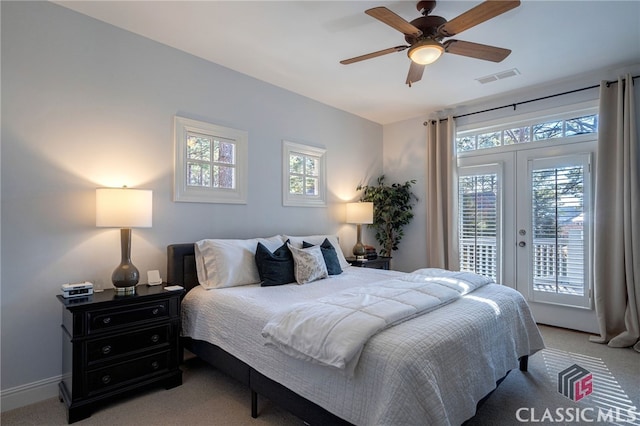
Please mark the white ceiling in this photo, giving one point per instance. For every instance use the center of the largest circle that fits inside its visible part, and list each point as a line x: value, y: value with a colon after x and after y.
x: 297, y: 45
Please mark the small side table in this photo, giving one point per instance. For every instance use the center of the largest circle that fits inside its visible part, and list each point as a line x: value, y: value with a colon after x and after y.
x: 380, y: 262
x: 115, y: 344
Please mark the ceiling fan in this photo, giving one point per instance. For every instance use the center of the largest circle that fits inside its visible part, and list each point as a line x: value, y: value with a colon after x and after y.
x: 425, y: 35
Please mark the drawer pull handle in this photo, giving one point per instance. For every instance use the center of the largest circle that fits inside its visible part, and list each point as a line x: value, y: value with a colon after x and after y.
x: 155, y: 311
x: 106, y: 350
x: 155, y: 365
x: 106, y: 320
x: 106, y: 379
x: 155, y: 338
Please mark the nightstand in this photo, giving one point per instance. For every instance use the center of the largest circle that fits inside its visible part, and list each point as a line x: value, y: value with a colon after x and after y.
x: 116, y: 344
x: 380, y: 262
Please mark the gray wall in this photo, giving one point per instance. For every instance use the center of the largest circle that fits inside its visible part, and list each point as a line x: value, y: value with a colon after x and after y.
x: 86, y: 105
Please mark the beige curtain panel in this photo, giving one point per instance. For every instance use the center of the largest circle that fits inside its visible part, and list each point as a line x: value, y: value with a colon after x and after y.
x: 617, y: 217
x: 442, y: 193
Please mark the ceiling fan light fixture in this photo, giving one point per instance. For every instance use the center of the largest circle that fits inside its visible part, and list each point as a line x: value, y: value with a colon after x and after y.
x: 425, y: 52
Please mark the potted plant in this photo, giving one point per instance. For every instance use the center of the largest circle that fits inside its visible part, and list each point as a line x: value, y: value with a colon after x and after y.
x: 392, y: 210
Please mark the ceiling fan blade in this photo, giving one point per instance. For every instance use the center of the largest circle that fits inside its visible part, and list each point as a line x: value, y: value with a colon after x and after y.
x: 477, y: 15
x: 373, y: 55
x: 476, y: 50
x: 388, y: 17
x: 415, y: 73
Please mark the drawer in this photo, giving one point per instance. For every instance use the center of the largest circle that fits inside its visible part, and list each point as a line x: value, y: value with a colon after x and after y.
x: 126, y: 316
x: 122, y: 344
x: 107, y: 378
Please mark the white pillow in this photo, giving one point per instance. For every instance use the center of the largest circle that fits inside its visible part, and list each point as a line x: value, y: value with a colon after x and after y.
x: 317, y: 240
x: 229, y: 263
x: 308, y: 264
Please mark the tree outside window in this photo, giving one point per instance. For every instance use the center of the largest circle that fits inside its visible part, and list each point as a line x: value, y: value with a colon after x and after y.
x: 211, y: 163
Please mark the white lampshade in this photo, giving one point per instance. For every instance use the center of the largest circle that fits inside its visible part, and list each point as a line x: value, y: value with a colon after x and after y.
x: 360, y: 213
x: 124, y: 208
x: 425, y: 52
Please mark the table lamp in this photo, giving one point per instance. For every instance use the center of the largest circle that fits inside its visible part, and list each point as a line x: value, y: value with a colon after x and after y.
x: 124, y: 208
x: 360, y: 214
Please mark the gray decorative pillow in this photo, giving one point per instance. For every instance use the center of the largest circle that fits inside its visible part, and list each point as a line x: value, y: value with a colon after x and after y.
x: 308, y: 264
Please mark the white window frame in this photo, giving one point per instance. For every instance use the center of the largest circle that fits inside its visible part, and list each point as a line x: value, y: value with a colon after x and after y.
x: 489, y: 168
x: 193, y: 194
x: 303, y: 200
x: 557, y: 113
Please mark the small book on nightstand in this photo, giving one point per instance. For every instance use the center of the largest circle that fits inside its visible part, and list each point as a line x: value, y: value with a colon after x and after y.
x: 370, y: 252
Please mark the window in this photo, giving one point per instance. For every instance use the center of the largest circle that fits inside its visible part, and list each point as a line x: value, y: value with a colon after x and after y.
x: 530, y: 132
x: 303, y: 175
x: 560, y: 226
x: 210, y: 163
x: 524, y: 206
x: 479, y: 219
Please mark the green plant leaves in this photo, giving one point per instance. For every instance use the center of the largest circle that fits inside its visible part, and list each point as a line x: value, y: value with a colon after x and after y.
x: 392, y: 210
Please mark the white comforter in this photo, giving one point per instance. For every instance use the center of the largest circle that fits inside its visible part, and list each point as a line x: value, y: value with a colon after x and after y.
x: 432, y: 369
x: 333, y: 330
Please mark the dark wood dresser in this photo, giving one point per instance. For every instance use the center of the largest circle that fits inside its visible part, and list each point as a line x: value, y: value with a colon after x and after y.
x: 113, y: 345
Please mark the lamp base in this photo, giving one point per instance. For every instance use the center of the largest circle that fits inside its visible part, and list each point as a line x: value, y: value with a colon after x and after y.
x: 126, y: 275
x: 125, y: 278
x: 125, y: 291
x: 359, y: 249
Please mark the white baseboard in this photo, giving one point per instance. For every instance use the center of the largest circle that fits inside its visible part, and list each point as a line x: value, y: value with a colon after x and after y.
x: 30, y: 393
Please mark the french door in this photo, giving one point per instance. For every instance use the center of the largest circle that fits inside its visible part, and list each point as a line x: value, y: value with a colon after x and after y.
x: 525, y: 220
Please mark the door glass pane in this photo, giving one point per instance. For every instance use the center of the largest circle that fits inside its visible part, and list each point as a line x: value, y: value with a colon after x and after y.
x: 478, y: 223
x: 557, y: 202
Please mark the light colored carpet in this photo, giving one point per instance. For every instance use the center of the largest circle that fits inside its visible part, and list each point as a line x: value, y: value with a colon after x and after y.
x: 616, y: 386
x: 207, y: 397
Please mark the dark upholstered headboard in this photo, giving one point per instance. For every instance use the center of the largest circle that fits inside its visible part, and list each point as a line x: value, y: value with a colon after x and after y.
x: 181, y: 265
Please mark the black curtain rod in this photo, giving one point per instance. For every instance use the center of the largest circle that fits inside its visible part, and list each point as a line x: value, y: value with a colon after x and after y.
x: 514, y: 105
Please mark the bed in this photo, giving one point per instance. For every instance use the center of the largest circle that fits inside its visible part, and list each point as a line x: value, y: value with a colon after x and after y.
x: 432, y: 369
